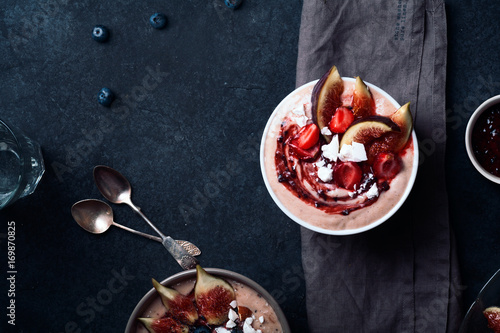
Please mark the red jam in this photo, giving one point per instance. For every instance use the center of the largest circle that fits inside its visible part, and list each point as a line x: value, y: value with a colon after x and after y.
x: 486, y: 140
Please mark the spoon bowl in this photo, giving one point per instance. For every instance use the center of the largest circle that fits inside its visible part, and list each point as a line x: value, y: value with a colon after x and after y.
x: 112, y: 185
x: 93, y: 215
x: 96, y: 217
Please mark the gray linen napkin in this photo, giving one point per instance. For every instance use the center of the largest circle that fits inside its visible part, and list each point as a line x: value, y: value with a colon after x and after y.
x: 403, y: 275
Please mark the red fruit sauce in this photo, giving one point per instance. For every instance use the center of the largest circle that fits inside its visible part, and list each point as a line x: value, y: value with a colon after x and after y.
x: 288, y: 169
x: 486, y: 140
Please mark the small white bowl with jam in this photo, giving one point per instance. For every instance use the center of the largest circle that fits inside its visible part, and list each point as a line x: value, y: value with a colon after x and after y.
x: 482, y: 139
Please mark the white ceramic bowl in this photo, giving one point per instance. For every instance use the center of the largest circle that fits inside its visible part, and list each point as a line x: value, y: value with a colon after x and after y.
x: 468, y: 137
x: 303, y: 222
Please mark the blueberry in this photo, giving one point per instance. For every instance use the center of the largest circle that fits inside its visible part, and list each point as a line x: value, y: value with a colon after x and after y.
x: 158, y: 20
x: 236, y: 330
x: 233, y: 4
x: 202, y: 329
x: 105, y: 96
x: 100, y: 33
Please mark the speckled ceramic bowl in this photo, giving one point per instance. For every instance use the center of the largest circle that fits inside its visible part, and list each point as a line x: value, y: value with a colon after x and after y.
x: 468, y: 138
x: 152, y: 296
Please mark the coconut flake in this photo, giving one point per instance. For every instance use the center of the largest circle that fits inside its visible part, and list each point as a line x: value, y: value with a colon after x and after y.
x: 230, y: 324
x: 247, y: 326
x: 320, y: 163
x: 353, y: 153
x: 222, y: 330
x: 325, y: 174
x: 331, y: 150
x: 326, y: 131
x: 372, y: 192
x: 232, y: 315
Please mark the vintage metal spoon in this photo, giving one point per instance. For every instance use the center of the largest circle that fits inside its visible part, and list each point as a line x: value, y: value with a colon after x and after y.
x: 96, y: 217
x: 116, y: 188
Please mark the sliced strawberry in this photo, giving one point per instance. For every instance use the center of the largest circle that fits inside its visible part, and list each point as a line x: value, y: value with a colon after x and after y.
x: 341, y: 120
x: 492, y: 314
x: 347, y: 175
x: 244, y: 313
x: 308, y: 136
x: 387, y: 165
x: 304, y: 154
x: 163, y: 325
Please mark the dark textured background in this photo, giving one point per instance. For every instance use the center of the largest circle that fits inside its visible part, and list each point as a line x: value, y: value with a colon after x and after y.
x: 193, y: 100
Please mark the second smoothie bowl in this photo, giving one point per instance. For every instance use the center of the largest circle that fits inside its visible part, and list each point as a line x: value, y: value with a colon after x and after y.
x: 210, y: 300
x: 339, y: 156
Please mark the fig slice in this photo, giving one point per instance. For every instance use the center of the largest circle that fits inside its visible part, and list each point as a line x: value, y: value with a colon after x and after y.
x: 163, y: 325
x: 492, y: 314
x: 213, y: 297
x: 325, y: 98
x: 178, y: 306
x: 402, y: 117
x: 368, y: 129
x: 363, y: 104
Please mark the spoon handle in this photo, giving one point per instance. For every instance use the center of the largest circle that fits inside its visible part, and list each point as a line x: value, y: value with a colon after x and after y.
x: 188, y: 246
x: 183, y: 257
x: 185, y: 260
x: 138, y: 211
x: 158, y: 239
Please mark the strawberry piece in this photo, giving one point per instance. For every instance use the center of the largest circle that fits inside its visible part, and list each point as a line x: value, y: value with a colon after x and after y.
x: 304, y: 154
x: 493, y: 316
x: 341, y: 120
x: 308, y: 136
x: 347, y: 175
x: 163, y: 325
x: 387, y: 165
x: 244, y: 313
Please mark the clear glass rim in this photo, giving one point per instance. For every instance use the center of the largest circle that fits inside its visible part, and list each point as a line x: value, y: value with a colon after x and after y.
x: 16, y: 193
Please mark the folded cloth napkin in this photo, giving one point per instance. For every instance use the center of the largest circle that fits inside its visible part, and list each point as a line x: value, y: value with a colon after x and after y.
x: 401, y: 276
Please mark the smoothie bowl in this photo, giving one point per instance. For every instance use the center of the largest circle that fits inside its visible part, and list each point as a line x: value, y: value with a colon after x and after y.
x: 339, y: 156
x: 207, y: 300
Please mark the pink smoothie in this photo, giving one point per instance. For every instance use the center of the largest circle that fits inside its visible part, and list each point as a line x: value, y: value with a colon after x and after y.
x: 353, y: 211
x: 245, y: 296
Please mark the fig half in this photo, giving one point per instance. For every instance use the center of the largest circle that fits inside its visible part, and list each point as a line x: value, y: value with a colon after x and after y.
x: 325, y: 98
x: 163, y: 325
x: 178, y: 306
x: 362, y: 101
x: 368, y: 129
x: 213, y: 297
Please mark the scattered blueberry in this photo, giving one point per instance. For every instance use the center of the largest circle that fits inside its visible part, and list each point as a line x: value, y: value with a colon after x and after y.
x: 158, y: 20
x: 202, y: 329
x: 100, y: 33
x: 233, y: 4
x: 105, y: 96
x: 236, y: 330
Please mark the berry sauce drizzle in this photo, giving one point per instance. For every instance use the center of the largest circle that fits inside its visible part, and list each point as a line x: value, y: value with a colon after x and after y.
x: 486, y: 140
x: 300, y: 177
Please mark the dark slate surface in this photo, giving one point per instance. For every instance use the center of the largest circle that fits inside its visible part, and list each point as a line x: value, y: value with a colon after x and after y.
x: 193, y: 100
